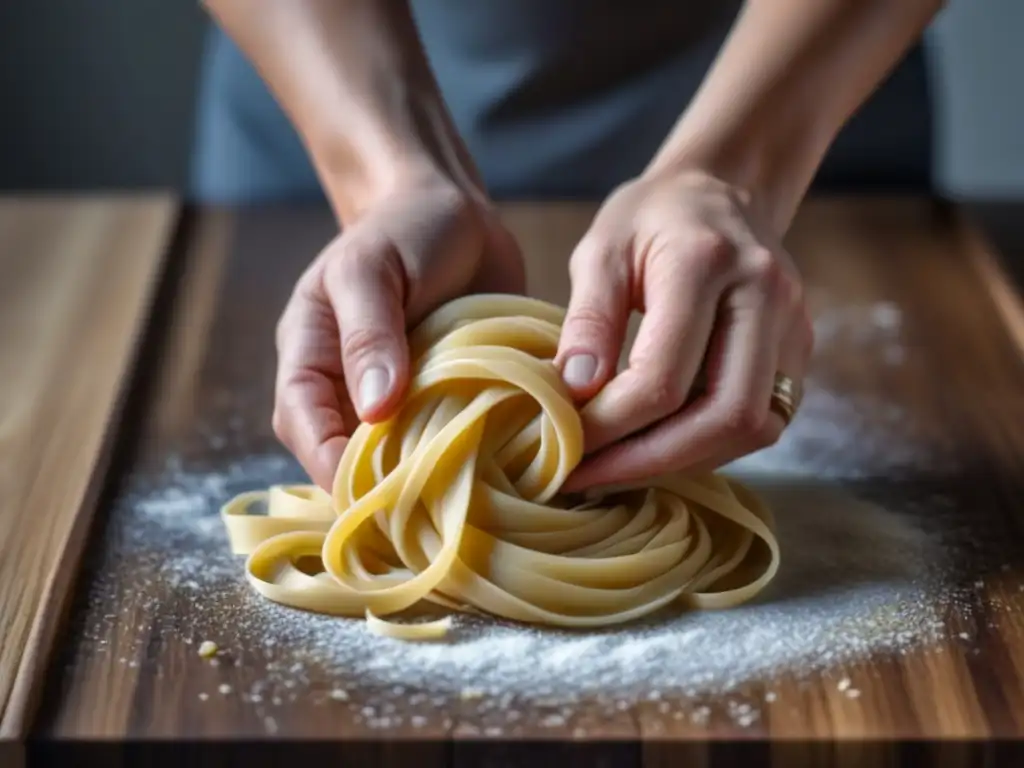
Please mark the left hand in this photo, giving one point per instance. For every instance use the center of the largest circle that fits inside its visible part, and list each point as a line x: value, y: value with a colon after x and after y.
x: 715, y: 287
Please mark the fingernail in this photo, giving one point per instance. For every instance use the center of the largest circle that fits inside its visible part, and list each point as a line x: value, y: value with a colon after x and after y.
x: 373, y: 387
x: 579, y: 370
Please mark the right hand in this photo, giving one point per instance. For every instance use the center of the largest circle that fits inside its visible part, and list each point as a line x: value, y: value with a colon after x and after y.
x: 341, y: 341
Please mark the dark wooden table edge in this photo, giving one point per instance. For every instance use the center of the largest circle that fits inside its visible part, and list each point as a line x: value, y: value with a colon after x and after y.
x: 54, y: 610
x: 744, y: 753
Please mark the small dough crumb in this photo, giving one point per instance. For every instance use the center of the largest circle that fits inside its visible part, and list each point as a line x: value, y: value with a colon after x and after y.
x: 204, y: 696
x: 339, y: 694
x: 770, y: 696
x: 853, y: 693
x: 471, y: 694
x: 844, y: 684
x: 208, y: 649
x: 224, y: 688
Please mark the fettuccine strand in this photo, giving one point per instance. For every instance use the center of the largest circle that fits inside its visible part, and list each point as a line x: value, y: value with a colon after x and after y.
x: 454, y: 502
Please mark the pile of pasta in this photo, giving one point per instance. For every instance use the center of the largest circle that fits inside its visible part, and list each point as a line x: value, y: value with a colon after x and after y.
x: 455, y: 502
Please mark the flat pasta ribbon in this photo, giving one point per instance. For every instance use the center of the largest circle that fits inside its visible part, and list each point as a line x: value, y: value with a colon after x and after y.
x: 454, y: 502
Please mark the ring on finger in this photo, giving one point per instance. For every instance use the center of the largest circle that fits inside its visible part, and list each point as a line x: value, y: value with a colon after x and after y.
x: 786, y: 396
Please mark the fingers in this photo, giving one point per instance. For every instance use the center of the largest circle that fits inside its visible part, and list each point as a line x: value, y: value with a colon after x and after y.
x: 343, y: 354
x: 733, y: 417
x: 309, y: 411
x: 365, y: 286
x: 794, y: 354
x: 594, y: 328
x: 681, y: 291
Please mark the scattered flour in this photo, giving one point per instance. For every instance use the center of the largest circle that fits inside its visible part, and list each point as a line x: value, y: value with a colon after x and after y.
x: 858, y: 578
x: 877, y: 325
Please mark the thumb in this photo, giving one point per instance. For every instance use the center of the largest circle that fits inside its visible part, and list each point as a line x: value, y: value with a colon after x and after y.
x: 366, y: 287
x: 595, y: 323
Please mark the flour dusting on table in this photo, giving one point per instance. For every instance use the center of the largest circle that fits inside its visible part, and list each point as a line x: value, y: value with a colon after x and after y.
x: 858, y: 578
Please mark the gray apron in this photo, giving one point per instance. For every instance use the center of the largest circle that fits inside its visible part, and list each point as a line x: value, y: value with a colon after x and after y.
x: 554, y: 98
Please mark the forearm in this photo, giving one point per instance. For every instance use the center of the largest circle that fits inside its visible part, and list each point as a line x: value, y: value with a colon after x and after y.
x: 354, y: 80
x: 790, y: 75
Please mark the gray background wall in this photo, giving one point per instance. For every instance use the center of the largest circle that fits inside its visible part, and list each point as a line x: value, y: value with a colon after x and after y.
x: 97, y: 92
x: 980, y: 67
x: 100, y: 93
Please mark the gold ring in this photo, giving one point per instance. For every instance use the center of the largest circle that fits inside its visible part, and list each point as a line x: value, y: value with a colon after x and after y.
x: 785, y: 397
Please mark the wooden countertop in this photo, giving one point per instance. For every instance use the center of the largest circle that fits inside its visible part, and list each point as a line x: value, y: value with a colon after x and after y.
x: 916, y: 316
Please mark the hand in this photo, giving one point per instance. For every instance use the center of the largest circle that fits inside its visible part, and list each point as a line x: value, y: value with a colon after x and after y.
x: 717, y: 289
x: 341, y: 340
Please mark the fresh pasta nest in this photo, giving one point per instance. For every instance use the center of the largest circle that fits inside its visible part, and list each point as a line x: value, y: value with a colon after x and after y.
x: 455, y: 502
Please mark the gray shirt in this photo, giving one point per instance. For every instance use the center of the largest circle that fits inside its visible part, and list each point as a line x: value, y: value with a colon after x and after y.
x: 555, y: 99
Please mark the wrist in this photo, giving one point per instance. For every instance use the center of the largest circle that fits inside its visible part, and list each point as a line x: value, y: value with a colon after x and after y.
x: 770, y: 168
x: 361, y: 162
x: 356, y: 180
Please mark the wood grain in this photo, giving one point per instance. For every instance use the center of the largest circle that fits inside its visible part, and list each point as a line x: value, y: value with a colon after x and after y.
x: 1001, y: 272
x: 77, y: 278
x: 959, y: 380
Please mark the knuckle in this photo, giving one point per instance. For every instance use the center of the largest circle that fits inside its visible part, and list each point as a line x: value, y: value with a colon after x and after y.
x: 663, y: 391
x: 370, y: 260
x: 588, y: 322
x: 588, y: 255
x: 775, y: 282
x: 363, y: 247
x: 354, y: 257
x: 577, y: 266
x: 715, y: 251
x: 736, y: 198
x: 743, y: 420
x: 360, y: 343
x: 764, y: 265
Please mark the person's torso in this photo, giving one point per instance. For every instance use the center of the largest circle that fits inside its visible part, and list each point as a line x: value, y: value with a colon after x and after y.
x: 561, y: 98
x: 568, y: 94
